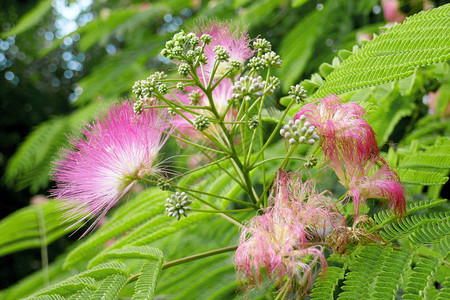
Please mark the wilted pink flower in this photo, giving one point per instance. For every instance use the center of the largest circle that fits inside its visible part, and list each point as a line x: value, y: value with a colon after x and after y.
x: 284, y: 240
x: 277, y: 242
x: 104, y: 163
x: 339, y: 123
x: 316, y: 210
x: 391, y: 10
x: 371, y: 178
x: 234, y: 40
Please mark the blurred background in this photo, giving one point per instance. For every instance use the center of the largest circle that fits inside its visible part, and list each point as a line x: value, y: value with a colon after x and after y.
x: 61, y: 61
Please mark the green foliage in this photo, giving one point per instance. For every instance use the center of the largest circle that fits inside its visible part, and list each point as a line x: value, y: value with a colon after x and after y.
x: 110, y: 287
x: 30, y: 19
x: 421, y: 280
x: 385, y: 58
x: 146, y: 284
x: 31, y: 227
x: 374, y: 273
x: 327, y: 283
x: 137, y: 235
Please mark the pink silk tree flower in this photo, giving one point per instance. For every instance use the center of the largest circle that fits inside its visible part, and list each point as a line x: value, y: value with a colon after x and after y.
x: 102, y: 165
x: 371, y: 178
x: 234, y: 40
x: 278, y: 243
x: 284, y: 240
x: 339, y: 123
x: 316, y: 210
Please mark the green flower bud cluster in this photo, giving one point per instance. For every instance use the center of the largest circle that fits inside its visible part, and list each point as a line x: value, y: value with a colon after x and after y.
x: 194, y: 97
x: 299, y: 132
x: 247, y: 87
x: 201, y: 122
x: 233, y: 68
x: 186, y: 47
x: 183, y: 69
x: 138, y: 107
x: 274, y: 83
x: 144, y: 89
x: 312, y: 162
x: 221, y: 53
x: 271, y: 59
x: 180, y: 86
x: 298, y: 93
x: 253, y: 123
x: 163, y: 184
x: 177, y: 205
x: 172, y: 111
x: 262, y: 45
x: 256, y: 63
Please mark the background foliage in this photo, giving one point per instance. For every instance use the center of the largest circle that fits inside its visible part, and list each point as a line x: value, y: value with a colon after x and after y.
x: 61, y: 79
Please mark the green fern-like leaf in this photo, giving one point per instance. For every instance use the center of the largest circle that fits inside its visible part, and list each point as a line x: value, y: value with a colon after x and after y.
x: 30, y: 227
x: 420, y: 40
x: 47, y: 297
x: 134, y: 252
x: 82, y: 294
x: 421, y: 279
x: 325, y: 287
x: 110, y: 287
x: 410, y: 176
x: 411, y: 224
x: 105, y: 270
x: 375, y: 273
x: 69, y: 286
x: 146, y: 284
x: 427, y: 160
x: 387, y: 216
x: 444, y: 292
x: 433, y: 232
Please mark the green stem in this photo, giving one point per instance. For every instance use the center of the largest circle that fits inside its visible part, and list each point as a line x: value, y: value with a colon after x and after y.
x: 43, y: 238
x: 188, y: 259
x: 275, y: 131
x: 200, y: 147
x: 222, y: 211
x: 198, y: 256
x: 224, y: 215
x: 282, y: 166
x: 212, y: 195
x: 199, y: 168
x: 276, y: 158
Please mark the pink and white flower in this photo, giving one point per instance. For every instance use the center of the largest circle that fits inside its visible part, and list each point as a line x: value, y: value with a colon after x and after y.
x: 339, y: 123
x: 284, y: 240
x: 102, y: 165
x: 235, y: 41
x: 371, y: 178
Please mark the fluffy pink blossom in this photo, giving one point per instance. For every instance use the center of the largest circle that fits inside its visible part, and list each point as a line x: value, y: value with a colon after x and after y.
x: 102, y: 165
x: 339, y: 123
x: 372, y: 178
x: 234, y: 40
x: 284, y: 240
x: 277, y: 242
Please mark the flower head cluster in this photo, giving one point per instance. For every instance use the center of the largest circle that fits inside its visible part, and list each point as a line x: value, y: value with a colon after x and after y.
x: 284, y: 240
x: 350, y: 147
x: 103, y: 165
